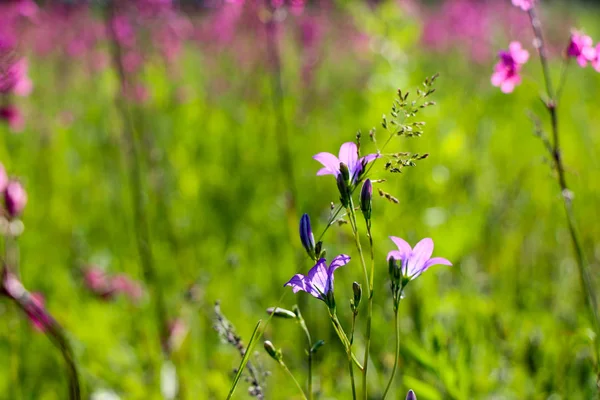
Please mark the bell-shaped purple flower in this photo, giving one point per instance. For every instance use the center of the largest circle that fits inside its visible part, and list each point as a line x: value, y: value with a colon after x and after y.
x: 366, y: 198
x: 349, y: 156
x: 319, y: 281
x: 415, y: 261
x: 411, y: 395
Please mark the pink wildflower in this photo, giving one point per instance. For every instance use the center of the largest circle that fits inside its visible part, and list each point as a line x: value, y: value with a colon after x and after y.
x: 96, y: 280
x: 524, y: 5
x: 582, y: 48
x: 123, y: 284
x: 506, y: 72
x: 3, y: 178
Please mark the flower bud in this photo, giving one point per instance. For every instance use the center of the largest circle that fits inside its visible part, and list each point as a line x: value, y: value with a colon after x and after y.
x: 366, y: 197
x: 392, y: 269
x: 15, y: 198
x: 357, y: 294
x: 306, y: 236
x: 343, y: 182
x: 281, y: 313
x: 273, y: 352
x: 411, y: 395
x: 316, y: 346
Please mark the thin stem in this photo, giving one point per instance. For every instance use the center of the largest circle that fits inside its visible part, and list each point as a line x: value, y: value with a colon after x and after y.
x: 56, y: 334
x: 344, y: 339
x: 352, y: 381
x: 555, y: 150
x: 141, y: 223
x: 286, y: 369
x: 368, y: 283
x: 309, y: 353
x: 396, y: 352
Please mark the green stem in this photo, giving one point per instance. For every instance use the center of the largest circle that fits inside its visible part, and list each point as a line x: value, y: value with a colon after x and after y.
x: 352, y: 381
x: 344, y: 339
x: 396, y: 353
x: 309, y: 353
x: 368, y: 283
x: 286, y: 369
x: 556, y: 154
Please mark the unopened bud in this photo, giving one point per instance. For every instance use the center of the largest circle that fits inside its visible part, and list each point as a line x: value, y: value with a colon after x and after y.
x: 366, y: 199
x: 281, y: 313
x: 411, y: 395
x: 343, y: 182
x: 357, y: 294
x: 306, y: 236
x: 273, y: 352
x: 15, y: 198
x: 316, y: 346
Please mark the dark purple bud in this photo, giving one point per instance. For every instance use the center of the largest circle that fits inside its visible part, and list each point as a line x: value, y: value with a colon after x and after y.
x: 15, y: 198
x: 366, y: 199
x: 306, y: 236
x: 411, y: 395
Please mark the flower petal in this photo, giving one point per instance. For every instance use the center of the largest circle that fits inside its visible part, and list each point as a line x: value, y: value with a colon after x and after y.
x: 404, y: 249
x: 338, y: 261
x: 297, y: 283
x: 330, y: 162
x: 349, y: 156
x: 318, y: 279
x: 436, y: 261
x: 420, y: 254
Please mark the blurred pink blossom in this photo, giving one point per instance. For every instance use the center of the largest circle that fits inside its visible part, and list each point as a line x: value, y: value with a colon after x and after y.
x: 596, y: 60
x: 506, y: 72
x: 15, y: 198
x: 3, y: 178
x: 524, y: 5
x: 582, y: 48
x: 121, y: 283
x: 14, y: 79
x: 13, y: 117
x: 97, y: 282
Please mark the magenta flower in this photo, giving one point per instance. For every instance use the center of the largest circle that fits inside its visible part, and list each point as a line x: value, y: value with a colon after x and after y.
x: 319, y: 281
x: 524, y: 5
x: 506, y: 72
x: 33, y: 302
x: 97, y: 282
x: 121, y: 283
x: 582, y: 48
x: 349, y: 156
x: 415, y: 261
x: 15, y: 198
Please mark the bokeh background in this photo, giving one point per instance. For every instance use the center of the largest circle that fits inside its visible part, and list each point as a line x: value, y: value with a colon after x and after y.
x: 228, y: 101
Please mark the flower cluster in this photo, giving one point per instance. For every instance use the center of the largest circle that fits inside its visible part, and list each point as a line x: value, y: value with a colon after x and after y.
x: 507, y: 72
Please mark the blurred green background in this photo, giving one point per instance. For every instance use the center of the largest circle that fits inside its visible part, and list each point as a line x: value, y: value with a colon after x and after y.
x: 507, y: 321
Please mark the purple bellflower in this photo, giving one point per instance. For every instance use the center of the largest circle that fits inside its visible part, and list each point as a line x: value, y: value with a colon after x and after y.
x: 319, y: 281
x: 411, y: 395
x: 349, y: 156
x: 414, y: 261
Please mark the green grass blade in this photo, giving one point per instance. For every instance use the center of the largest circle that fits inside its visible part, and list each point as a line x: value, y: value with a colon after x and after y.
x: 255, y: 337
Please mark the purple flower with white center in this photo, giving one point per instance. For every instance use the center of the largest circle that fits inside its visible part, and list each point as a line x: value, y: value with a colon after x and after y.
x: 415, y: 261
x: 319, y: 281
x: 582, y: 48
x: 349, y: 156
